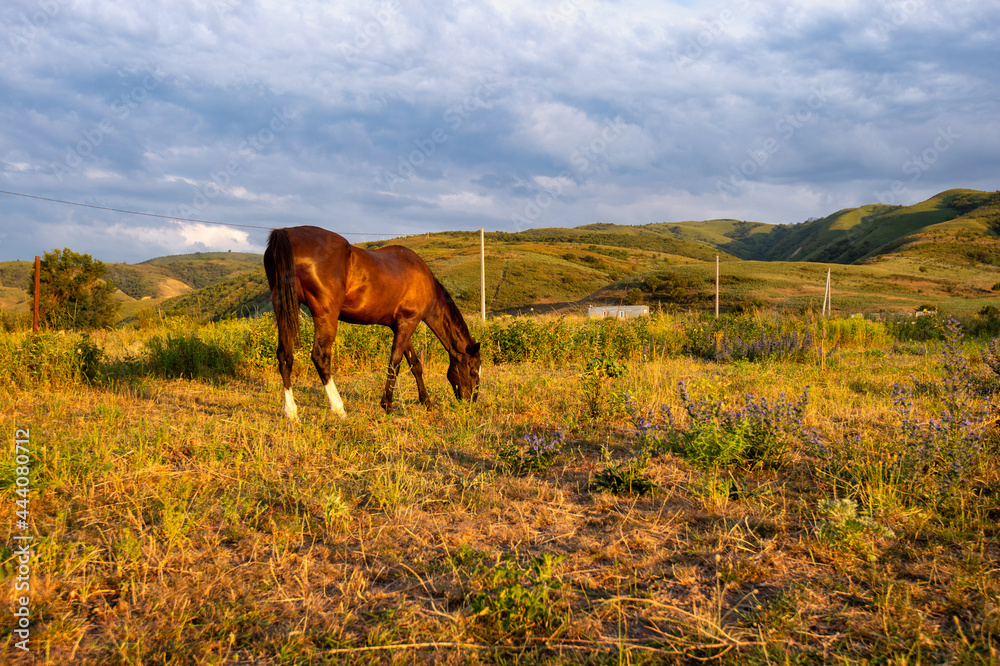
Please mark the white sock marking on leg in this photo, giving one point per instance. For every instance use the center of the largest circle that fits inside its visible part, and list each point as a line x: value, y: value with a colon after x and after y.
x: 336, y: 404
x: 291, y: 410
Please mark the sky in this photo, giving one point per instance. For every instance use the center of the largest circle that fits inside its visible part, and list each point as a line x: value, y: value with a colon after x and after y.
x: 377, y: 119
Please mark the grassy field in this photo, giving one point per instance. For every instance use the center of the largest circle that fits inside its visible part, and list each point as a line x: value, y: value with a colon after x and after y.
x: 763, y: 490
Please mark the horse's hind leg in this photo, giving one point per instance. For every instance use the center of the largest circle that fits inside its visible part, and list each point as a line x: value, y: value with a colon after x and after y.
x: 417, y: 368
x: 326, y: 333
x: 286, y: 353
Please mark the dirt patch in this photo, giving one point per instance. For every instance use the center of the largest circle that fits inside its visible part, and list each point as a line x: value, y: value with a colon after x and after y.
x: 170, y: 287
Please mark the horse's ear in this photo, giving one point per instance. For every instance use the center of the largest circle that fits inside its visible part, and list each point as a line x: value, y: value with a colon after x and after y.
x: 472, y: 349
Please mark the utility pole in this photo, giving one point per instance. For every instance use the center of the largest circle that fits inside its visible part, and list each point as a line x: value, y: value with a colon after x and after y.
x: 482, y: 271
x: 827, y: 310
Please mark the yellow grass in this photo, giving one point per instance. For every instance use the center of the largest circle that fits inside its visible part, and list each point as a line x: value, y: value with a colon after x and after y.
x: 182, y: 521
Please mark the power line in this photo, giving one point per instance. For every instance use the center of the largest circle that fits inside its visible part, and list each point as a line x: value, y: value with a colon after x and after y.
x: 165, y: 217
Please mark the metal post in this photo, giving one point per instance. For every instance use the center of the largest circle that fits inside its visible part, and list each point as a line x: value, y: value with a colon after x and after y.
x: 826, y: 295
x: 829, y: 303
x: 482, y: 271
x: 38, y: 273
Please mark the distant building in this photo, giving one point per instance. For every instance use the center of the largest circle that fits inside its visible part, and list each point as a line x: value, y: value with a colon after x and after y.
x: 619, y: 311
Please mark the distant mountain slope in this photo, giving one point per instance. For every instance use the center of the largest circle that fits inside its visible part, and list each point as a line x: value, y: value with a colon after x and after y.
x: 971, y: 238
x: 15, y: 274
x: 847, y: 236
x: 945, y: 250
x: 174, y: 275
x: 650, y: 237
x: 241, y: 295
x: 857, y: 234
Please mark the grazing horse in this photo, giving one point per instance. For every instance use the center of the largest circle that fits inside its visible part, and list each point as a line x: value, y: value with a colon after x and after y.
x: 391, y: 286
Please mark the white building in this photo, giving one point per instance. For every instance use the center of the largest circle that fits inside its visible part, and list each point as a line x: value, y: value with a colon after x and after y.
x: 619, y: 311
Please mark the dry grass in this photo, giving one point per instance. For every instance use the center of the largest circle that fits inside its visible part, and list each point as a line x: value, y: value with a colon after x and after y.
x: 184, y: 521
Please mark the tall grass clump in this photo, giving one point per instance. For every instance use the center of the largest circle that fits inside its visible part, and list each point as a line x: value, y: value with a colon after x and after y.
x: 572, y: 340
x: 212, y: 350
x: 935, y: 452
x: 14, y: 322
x: 48, y: 359
x: 762, y: 336
x: 757, y: 434
x: 991, y: 359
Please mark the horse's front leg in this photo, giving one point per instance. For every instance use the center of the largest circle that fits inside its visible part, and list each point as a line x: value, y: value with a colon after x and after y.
x: 326, y: 333
x: 400, y: 341
x: 417, y: 368
x: 390, y: 381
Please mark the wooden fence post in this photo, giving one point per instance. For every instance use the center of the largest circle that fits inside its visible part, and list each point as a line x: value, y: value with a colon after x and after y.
x: 38, y: 273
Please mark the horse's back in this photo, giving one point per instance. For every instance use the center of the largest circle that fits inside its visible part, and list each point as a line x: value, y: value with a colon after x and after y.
x: 364, y: 286
x: 387, y: 283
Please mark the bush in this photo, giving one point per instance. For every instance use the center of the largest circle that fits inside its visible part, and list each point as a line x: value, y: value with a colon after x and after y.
x: 517, y: 601
x: 188, y: 355
x: 756, y: 435
x: 73, y: 293
x: 536, y: 456
x: 48, y: 359
x: 11, y: 322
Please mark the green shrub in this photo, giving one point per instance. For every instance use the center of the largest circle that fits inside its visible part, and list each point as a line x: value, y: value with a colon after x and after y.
x: 48, y: 358
x: 517, y: 601
x: 12, y: 322
x: 625, y: 476
x: 843, y: 528
x: 188, y: 355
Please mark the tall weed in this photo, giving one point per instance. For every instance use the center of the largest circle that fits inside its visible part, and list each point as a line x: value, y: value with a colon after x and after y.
x: 757, y: 434
x: 48, y: 358
x: 934, y: 454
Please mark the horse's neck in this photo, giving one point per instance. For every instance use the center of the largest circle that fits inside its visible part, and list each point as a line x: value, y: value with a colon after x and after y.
x: 452, y: 333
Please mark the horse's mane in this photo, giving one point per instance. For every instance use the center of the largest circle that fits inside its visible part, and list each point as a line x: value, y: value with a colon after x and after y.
x: 453, y: 311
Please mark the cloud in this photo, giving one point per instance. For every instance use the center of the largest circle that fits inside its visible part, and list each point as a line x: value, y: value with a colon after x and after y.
x: 169, y: 109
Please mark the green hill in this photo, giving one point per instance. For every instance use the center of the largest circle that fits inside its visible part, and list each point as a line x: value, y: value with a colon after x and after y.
x: 941, y: 252
x: 857, y: 234
x: 203, y: 269
x: 242, y: 295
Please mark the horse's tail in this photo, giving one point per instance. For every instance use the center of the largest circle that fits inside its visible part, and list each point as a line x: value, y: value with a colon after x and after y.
x: 279, y: 265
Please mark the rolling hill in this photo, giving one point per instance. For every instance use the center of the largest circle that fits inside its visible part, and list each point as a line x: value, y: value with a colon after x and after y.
x: 941, y: 252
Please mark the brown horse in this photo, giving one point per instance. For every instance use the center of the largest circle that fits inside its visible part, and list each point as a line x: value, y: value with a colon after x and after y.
x: 391, y: 286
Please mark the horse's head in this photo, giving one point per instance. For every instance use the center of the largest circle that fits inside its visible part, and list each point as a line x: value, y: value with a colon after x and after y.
x: 463, y: 373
